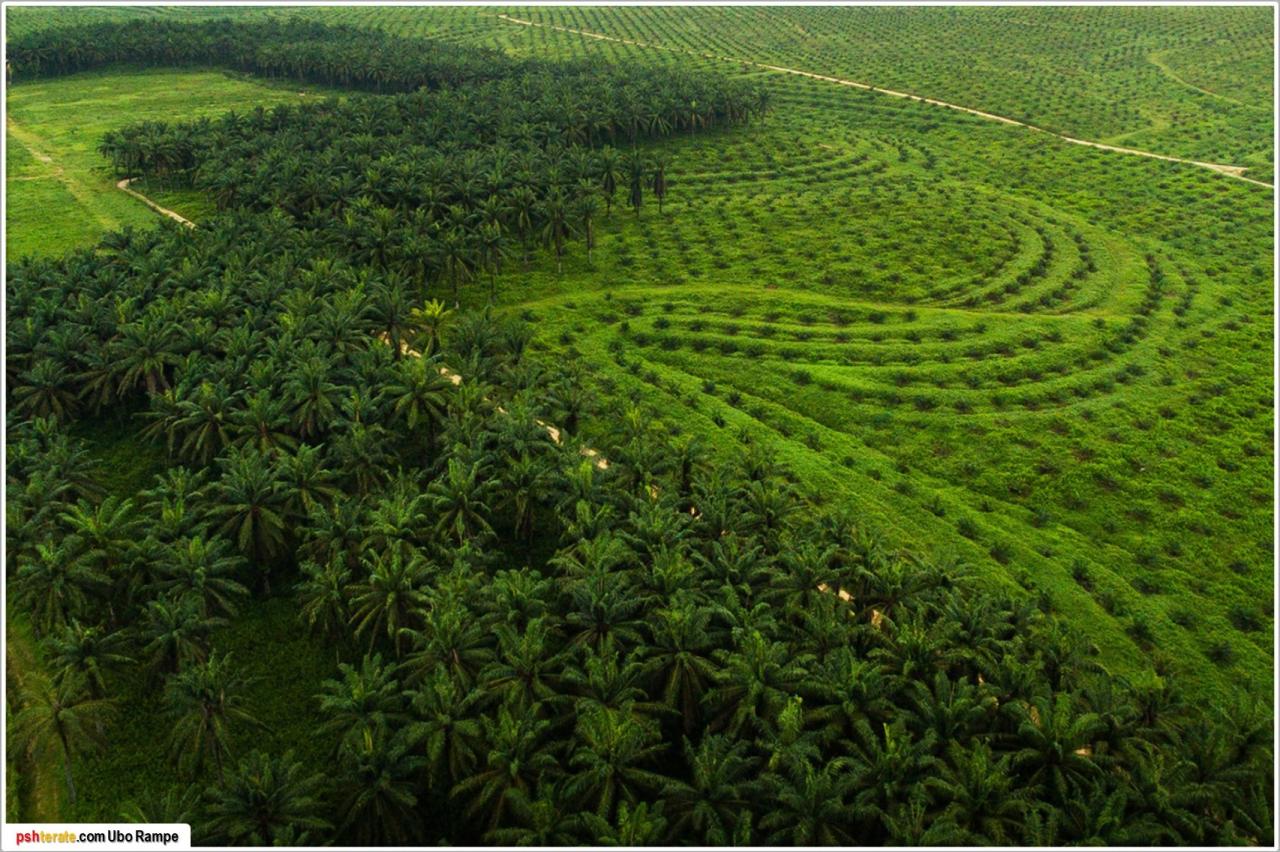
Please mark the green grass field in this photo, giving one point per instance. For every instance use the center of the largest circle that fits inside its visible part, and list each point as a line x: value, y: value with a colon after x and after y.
x: 61, y: 192
x: 1050, y: 363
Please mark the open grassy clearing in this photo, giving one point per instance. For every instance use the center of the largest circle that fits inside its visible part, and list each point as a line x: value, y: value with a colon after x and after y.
x: 61, y: 192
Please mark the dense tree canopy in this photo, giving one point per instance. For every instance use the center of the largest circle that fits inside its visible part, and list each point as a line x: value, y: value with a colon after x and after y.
x: 334, y: 55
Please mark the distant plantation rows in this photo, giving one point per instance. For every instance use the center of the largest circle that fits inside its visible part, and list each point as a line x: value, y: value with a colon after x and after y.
x: 1150, y: 78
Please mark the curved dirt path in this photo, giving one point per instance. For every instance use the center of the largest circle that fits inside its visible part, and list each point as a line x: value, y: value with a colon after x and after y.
x: 1231, y: 171
x: 1157, y: 59
x: 163, y: 211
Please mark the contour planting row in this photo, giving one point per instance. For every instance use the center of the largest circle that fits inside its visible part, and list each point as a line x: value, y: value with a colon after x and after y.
x: 731, y: 382
x: 1130, y: 607
x: 916, y: 237
x: 1077, y: 72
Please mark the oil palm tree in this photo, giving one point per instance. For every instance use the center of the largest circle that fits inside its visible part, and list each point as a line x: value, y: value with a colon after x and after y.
x: 362, y: 451
x: 981, y: 794
x: 493, y: 251
x: 91, y: 652
x: 260, y: 422
x: 417, y: 393
x: 249, y: 507
x: 322, y: 598
x: 203, y: 420
x: 446, y: 726
x: 525, y: 216
x: 363, y: 698
x: 1054, y: 745
x: 392, y: 313
x: 379, y: 795
x: 55, y: 584
x: 308, y: 480
x: 517, y: 758
x: 587, y: 209
x: 335, y: 533
x: 542, y: 818
x: 203, y: 570
x: 264, y: 801
x: 453, y: 637
x: 460, y: 501
x: 525, y: 479
x: 457, y: 257
x: 207, y: 702
x: 634, y: 169
x: 48, y: 389
x: 659, y: 181
x: 953, y: 709
x: 144, y: 353
x: 428, y: 324
x: 609, y: 173
x: 679, y: 659
x: 174, y: 633
x: 810, y: 806
x: 642, y: 825
x: 390, y: 598
x: 557, y: 225
x: 106, y: 531
x: 853, y: 692
x: 706, y: 807
x: 756, y: 679
x: 528, y: 665
x: 312, y: 395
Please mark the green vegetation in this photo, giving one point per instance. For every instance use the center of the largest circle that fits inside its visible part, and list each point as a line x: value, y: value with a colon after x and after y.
x: 1172, y: 80
x: 61, y: 193
x: 938, y: 450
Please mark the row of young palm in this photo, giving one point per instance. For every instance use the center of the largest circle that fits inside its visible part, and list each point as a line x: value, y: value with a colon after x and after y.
x: 347, y: 57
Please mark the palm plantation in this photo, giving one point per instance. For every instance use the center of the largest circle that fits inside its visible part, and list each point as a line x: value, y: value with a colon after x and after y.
x: 516, y: 611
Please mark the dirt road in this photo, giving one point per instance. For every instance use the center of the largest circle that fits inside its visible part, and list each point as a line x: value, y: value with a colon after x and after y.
x: 163, y: 211
x: 1231, y: 171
